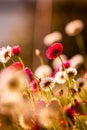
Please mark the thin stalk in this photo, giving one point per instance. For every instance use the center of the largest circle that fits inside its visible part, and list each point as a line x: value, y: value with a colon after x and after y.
x: 41, y: 60
x: 4, y: 66
x: 21, y: 61
x: 81, y: 46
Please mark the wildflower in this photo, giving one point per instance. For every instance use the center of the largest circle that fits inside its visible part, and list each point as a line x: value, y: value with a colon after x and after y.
x: 5, y: 54
x: 52, y: 38
x: 13, y: 80
x: 70, y: 72
x: 16, y: 50
x: 60, y: 90
x: 76, y: 63
x: 43, y: 71
x: 47, y: 83
x: 29, y: 73
x: 54, y: 50
x: 56, y: 62
x: 34, y: 86
x: 60, y: 77
x: 16, y: 65
x: 74, y: 27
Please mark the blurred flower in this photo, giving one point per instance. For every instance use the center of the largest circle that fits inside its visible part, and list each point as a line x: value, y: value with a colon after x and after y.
x: 16, y: 65
x: 29, y: 73
x: 27, y: 119
x: 13, y: 80
x: 52, y: 38
x: 16, y: 50
x: 47, y: 83
x: 54, y: 50
x: 70, y: 72
x: 46, y: 99
x: 60, y: 77
x: 60, y: 90
x: 47, y: 117
x: 76, y: 63
x: 74, y: 27
x: 5, y: 54
x: 34, y: 86
x: 43, y: 71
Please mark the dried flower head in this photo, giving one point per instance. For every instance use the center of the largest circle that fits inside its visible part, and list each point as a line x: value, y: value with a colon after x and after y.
x: 52, y: 38
x: 54, y: 50
x: 74, y: 27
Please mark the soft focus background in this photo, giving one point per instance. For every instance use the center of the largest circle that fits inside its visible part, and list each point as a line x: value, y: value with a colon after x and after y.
x: 26, y: 22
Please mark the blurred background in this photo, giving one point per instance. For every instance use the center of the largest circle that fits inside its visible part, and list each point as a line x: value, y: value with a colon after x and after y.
x: 27, y: 22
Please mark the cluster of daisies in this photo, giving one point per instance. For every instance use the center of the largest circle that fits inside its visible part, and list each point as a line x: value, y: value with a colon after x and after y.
x: 51, y: 98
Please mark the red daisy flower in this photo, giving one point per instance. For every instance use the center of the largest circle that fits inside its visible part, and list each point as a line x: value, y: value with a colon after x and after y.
x: 54, y: 50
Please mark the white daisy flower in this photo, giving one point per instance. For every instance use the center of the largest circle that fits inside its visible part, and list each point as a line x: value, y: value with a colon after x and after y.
x: 43, y: 71
x: 76, y: 63
x: 74, y: 27
x: 60, y: 77
x: 5, y: 54
x: 52, y: 37
x: 47, y: 83
x: 14, y: 81
x: 70, y: 72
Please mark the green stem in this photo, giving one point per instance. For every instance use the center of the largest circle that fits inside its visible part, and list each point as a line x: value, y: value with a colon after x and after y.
x: 62, y: 62
x: 41, y: 60
x: 31, y: 97
x: 81, y: 46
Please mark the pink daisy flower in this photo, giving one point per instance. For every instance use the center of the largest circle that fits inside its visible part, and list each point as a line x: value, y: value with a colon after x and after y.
x: 29, y: 73
x: 16, y: 65
x: 54, y: 50
x: 16, y: 50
